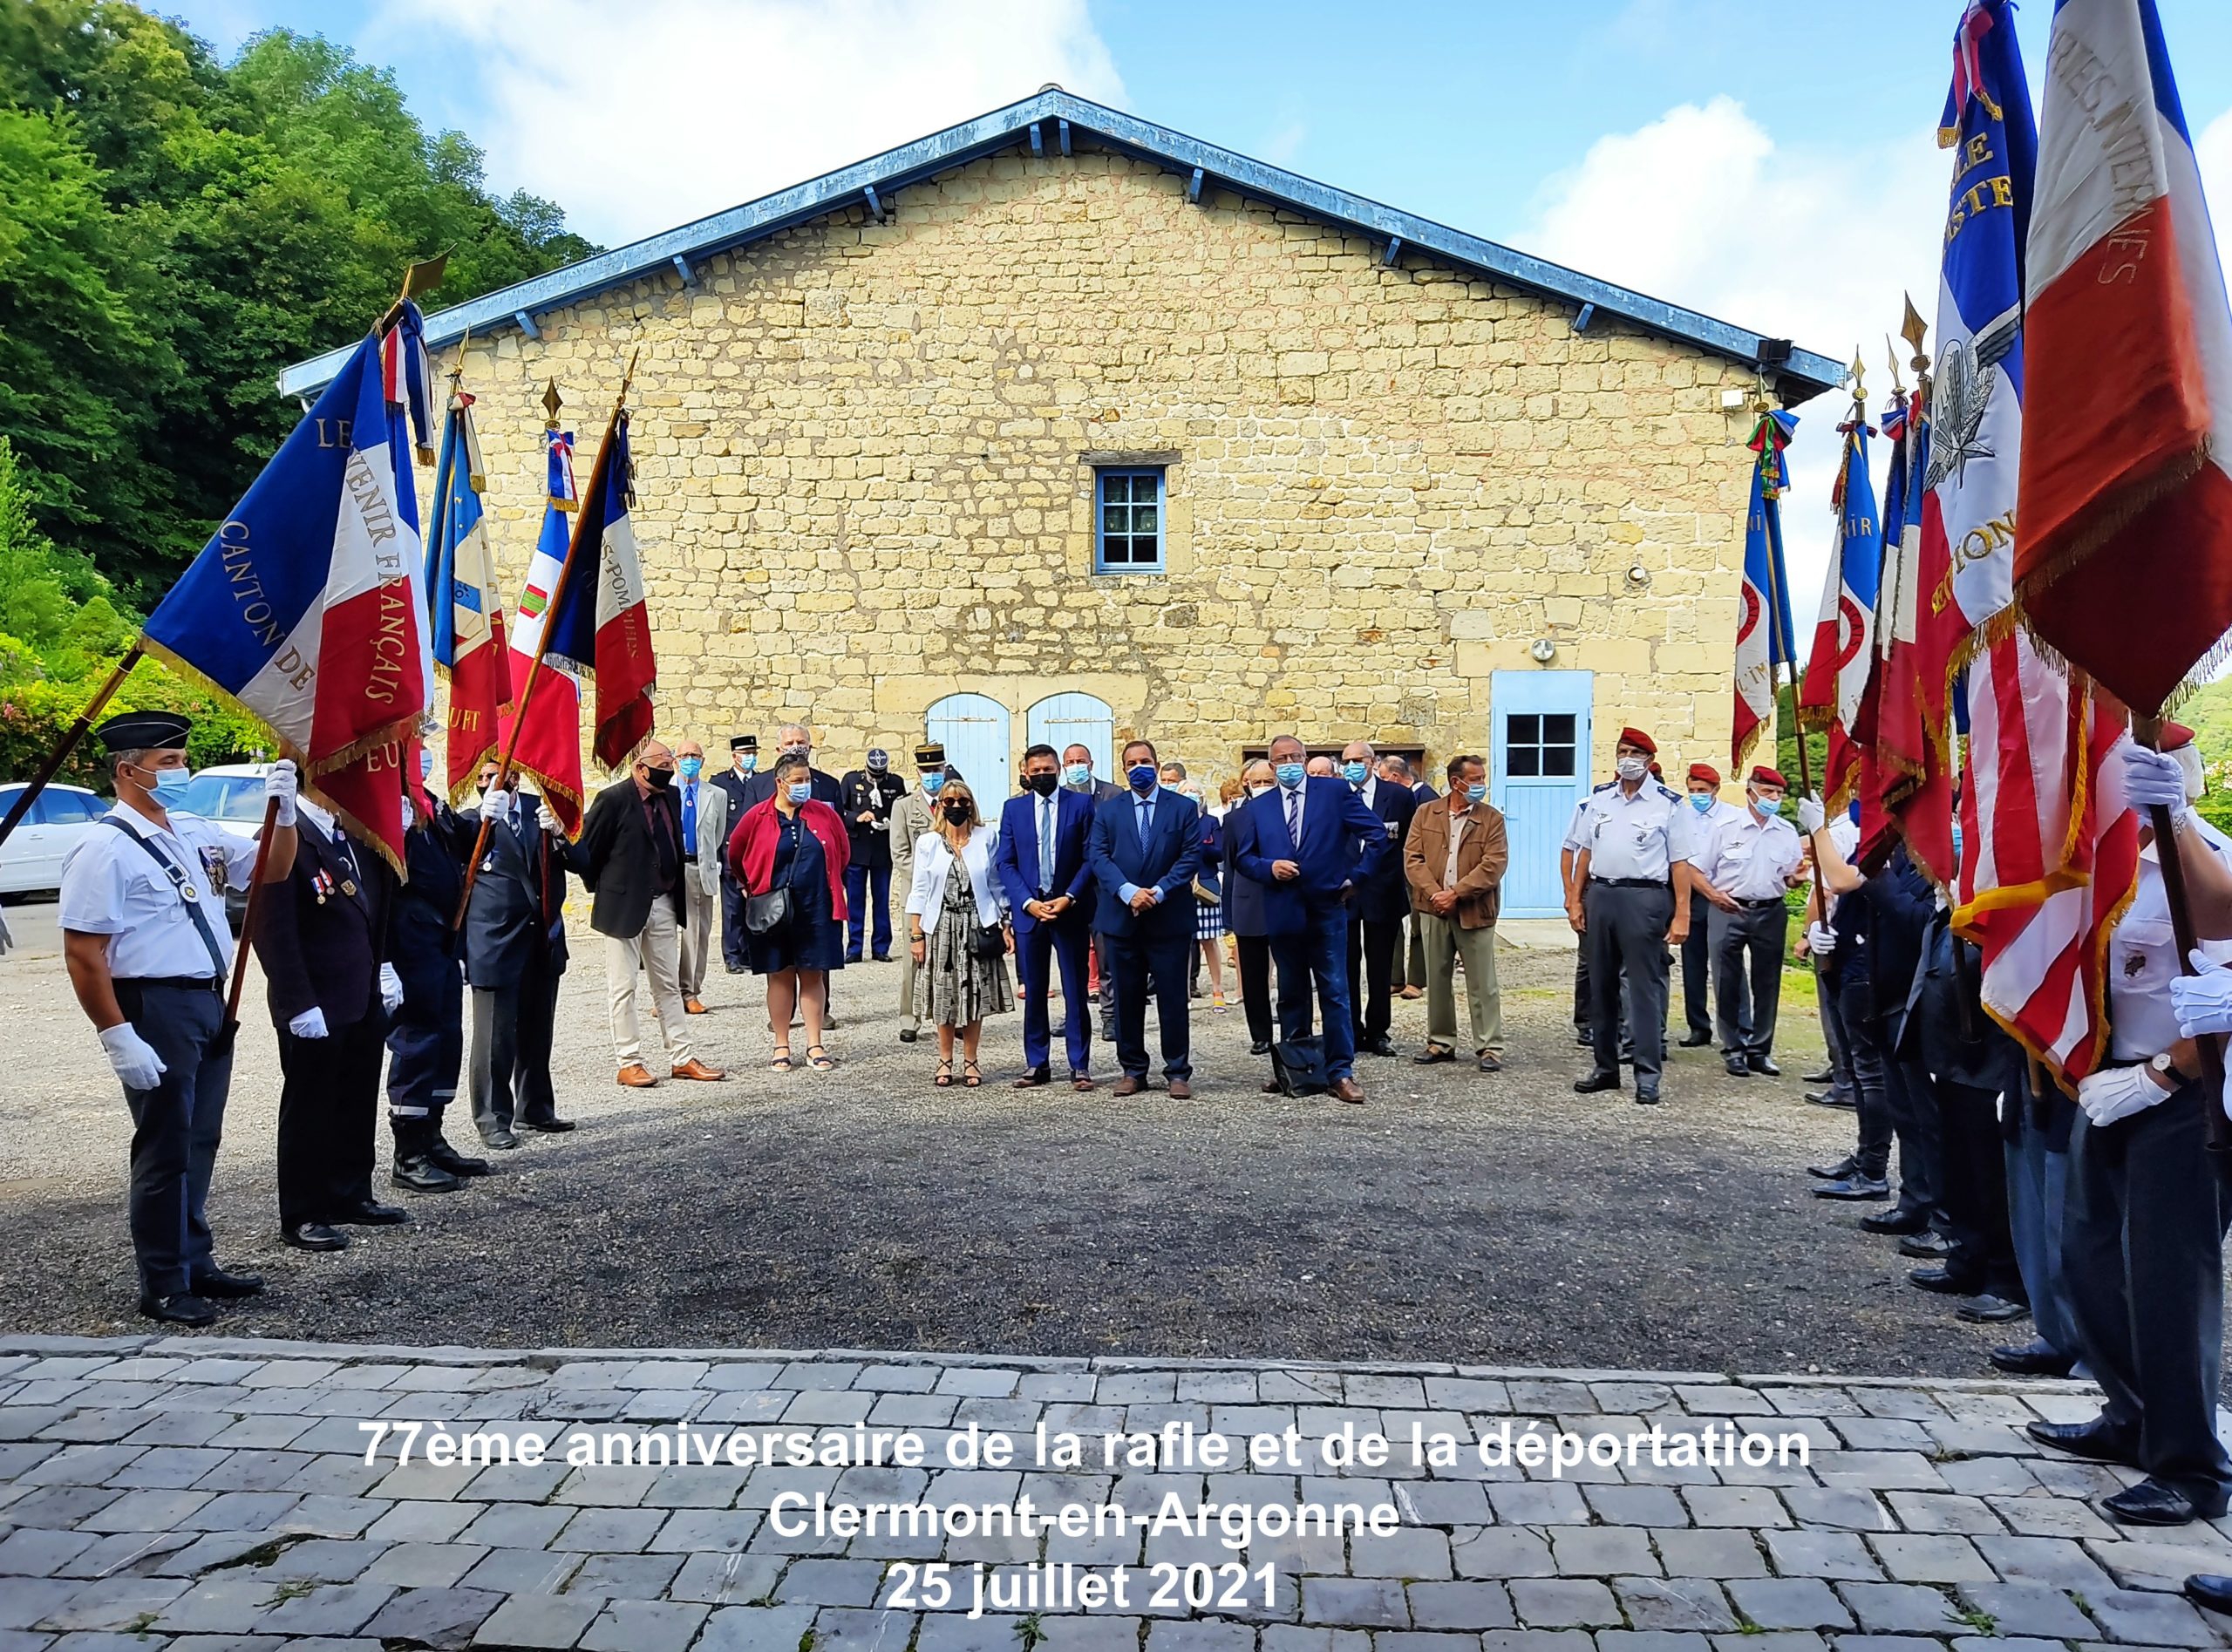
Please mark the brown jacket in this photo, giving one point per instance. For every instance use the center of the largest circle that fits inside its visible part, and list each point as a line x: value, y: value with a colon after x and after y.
x: 1481, y: 857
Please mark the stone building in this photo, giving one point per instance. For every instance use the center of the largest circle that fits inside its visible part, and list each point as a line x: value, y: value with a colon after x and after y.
x: 1061, y: 424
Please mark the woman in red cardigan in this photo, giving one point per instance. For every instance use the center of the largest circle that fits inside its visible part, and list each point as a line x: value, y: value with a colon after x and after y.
x: 792, y: 843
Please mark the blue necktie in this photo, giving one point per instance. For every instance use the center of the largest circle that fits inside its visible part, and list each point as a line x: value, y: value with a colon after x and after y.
x: 1045, y: 844
x: 1294, y: 817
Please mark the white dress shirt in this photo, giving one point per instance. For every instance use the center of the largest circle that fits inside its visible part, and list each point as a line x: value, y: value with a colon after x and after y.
x: 2143, y: 959
x: 1638, y: 837
x: 1751, y: 859
x: 113, y: 888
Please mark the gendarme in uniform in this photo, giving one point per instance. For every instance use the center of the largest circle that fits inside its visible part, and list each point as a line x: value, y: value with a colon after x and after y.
x: 1631, y: 842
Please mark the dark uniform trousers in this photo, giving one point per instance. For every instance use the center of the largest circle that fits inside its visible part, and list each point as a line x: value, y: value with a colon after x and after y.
x: 329, y: 1107
x: 1697, y: 968
x: 733, y: 930
x: 511, y: 1028
x: 1747, y: 948
x: 2143, y: 1252
x: 866, y: 889
x: 1626, y: 923
x: 176, y: 1129
x: 426, y: 1050
x: 1974, y: 1190
x: 1256, y: 986
x: 1873, y: 1115
x: 1372, y: 976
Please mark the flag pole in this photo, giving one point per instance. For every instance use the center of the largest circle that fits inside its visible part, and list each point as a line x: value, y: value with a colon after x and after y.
x: 543, y: 639
x: 53, y: 764
x: 247, y: 919
x: 2147, y: 731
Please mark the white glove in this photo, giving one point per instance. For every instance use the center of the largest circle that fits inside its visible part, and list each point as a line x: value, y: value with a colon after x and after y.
x: 279, y: 787
x: 390, y: 989
x: 1821, y: 938
x: 1810, y: 816
x: 495, y: 804
x: 309, y: 1025
x: 2118, y: 1093
x: 2202, y: 1000
x: 2150, y: 778
x: 135, y: 1061
x: 547, y: 818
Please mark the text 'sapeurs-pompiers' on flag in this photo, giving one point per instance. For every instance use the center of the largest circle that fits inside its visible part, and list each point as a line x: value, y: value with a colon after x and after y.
x: 2125, y: 567
x: 1761, y: 625
x: 1843, y: 654
x: 464, y: 605
x: 549, y: 748
x: 305, y: 610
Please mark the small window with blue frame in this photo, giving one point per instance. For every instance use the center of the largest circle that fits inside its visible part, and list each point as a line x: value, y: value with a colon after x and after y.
x: 1128, y: 535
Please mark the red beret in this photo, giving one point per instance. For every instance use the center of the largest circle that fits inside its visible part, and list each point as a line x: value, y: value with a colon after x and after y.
x: 1764, y: 776
x: 2176, y: 735
x: 1641, y: 741
x: 1705, y: 771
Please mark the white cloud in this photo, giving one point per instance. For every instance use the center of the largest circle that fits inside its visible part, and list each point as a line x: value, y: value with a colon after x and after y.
x: 1705, y: 207
x: 644, y: 115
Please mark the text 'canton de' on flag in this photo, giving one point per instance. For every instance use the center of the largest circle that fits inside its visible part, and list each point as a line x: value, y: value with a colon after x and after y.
x: 305, y: 609
x: 1843, y: 654
x: 601, y: 625
x: 464, y: 606
x: 1763, y: 613
x: 547, y: 744
x: 2125, y: 567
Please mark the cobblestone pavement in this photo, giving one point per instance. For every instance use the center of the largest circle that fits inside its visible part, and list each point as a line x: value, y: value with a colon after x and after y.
x: 163, y: 1495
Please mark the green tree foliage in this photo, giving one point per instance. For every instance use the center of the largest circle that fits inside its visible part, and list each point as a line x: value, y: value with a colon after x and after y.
x: 173, y: 230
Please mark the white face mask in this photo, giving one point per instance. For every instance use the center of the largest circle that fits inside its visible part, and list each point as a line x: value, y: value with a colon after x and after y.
x: 1261, y: 787
x: 1633, y: 768
x: 2188, y: 757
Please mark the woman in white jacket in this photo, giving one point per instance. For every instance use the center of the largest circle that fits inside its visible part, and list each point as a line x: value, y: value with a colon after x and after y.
x: 956, y: 922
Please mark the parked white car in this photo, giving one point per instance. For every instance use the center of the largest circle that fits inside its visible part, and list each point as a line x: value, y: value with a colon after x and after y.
x: 31, y: 861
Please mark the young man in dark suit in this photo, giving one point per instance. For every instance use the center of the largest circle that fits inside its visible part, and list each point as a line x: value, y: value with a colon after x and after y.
x: 323, y: 941
x: 1041, y: 860
x: 514, y: 954
x: 1379, y: 902
x: 1146, y: 846
x: 1311, y: 841
x: 870, y: 793
x: 744, y: 768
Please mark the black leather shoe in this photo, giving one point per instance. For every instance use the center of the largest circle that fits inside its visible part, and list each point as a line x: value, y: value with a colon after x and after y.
x: 1830, y: 1099
x: 1985, y: 1308
x: 852, y: 957
x: 1853, y: 1188
x: 1599, y: 1080
x: 1764, y: 1066
x: 2150, y: 1503
x: 1942, y: 1280
x: 1902, y: 1220
x: 455, y: 1162
x: 2206, y: 1588
x: 1489, y: 1061
x: 1581, y: 1040
x: 907, y: 1035
x: 1736, y: 1067
x: 1697, y: 1041
x: 1925, y: 1245
x: 183, y: 1308
x: 548, y: 1126
x: 1646, y: 1095
x: 1382, y: 1046
x: 2094, y: 1441
x: 369, y: 1214
x: 1260, y: 1047
x: 1837, y: 1171
x: 735, y: 968
x: 231, y: 1286
x: 2037, y: 1357
x: 423, y: 1175
x: 315, y: 1236
x: 1827, y: 1076
x: 502, y: 1140
x: 1434, y: 1054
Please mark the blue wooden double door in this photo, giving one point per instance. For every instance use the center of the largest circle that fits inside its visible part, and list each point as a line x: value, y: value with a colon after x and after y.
x: 1538, y: 769
x: 977, y: 733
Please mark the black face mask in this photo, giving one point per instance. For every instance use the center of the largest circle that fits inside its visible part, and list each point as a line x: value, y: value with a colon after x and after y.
x: 660, y: 778
x: 957, y: 812
x: 1045, y: 784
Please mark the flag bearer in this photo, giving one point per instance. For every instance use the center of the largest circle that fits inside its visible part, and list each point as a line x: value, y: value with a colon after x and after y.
x: 1630, y: 904
x: 149, y: 955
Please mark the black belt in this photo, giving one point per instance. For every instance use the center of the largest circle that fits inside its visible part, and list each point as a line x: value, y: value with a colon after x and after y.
x: 1769, y: 901
x: 183, y: 983
x: 1634, y: 883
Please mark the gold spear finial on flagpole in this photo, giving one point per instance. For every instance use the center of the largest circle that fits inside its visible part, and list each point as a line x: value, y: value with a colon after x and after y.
x: 1898, y: 384
x: 551, y: 403
x: 1913, y: 330
x: 1859, y: 382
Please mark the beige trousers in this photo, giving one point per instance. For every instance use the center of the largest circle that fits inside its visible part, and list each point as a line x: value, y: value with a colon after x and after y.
x: 1445, y: 941
x: 697, y: 936
x: 657, y: 953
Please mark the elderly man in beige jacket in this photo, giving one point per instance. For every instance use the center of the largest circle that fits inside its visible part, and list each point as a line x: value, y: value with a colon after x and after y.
x: 1454, y: 858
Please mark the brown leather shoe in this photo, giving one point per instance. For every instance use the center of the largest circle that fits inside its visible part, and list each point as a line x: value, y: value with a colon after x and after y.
x: 694, y: 1068
x: 637, y: 1076
x: 1081, y: 1082
x: 1181, y: 1091
x: 691, y: 1007
x: 1130, y: 1084
x: 1350, y: 1090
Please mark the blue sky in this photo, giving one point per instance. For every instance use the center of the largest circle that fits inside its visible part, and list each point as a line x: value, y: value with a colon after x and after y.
x: 1769, y: 163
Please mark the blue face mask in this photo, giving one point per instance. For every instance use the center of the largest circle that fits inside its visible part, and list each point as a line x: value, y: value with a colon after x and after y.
x: 747, y: 763
x: 1078, y: 774
x: 801, y: 790
x: 690, y: 767
x: 1702, y: 802
x: 1477, y: 792
x: 1768, y: 806
x: 1142, y: 777
x: 1356, y: 774
x: 425, y: 766
x: 170, y: 785
x: 1956, y: 846
x: 1292, y: 774
x: 933, y: 781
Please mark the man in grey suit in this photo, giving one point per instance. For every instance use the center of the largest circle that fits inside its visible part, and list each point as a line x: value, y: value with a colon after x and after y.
x: 704, y: 841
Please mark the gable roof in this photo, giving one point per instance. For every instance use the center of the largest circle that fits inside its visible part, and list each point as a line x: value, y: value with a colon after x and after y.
x: 1049, y: 123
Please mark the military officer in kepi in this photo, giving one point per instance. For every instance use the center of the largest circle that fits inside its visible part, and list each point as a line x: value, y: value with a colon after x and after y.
x: 149, y: 954
x: 1630, y: 905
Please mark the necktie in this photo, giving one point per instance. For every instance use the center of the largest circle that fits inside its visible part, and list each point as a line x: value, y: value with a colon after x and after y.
x: 1294, y: 817
x: 1045, y: 844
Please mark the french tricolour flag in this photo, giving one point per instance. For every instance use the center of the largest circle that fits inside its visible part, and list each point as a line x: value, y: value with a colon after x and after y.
x: 601, y: 627
x: 549, y: 747
x: 465, y: 607
x: 1844, y: 633
x: 2125, y: 566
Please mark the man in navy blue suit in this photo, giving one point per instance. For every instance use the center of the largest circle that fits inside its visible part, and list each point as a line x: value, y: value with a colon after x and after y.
x: 1146, y: 846
x: 1309, y: 841
x: 1040, y: 859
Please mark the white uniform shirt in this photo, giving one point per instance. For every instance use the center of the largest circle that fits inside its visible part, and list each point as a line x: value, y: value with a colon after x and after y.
x: 2143, y: 960
x: 1749, y: 859
x: 1638, y: 837
x: 113, y: 888
x: 1574, y: 840
x: 1699, y: 824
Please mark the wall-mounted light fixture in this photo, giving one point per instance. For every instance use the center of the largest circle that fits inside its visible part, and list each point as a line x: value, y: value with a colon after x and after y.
x: 1544, y: 650
x: 1638, y: 576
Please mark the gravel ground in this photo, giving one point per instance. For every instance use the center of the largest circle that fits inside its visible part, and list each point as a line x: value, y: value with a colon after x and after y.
x: 1457, y: 1217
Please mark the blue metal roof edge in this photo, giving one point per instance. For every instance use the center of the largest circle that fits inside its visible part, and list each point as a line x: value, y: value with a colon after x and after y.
x: 1802, y: 375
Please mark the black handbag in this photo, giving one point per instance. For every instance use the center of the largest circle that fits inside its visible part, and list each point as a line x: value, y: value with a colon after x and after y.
x: 991, y: 942
x: 769, y: 911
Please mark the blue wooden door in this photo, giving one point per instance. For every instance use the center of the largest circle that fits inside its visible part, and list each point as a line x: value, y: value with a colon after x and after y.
x: 974, y: 730
x: 1063, y: 720
x: 1539, y: 769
